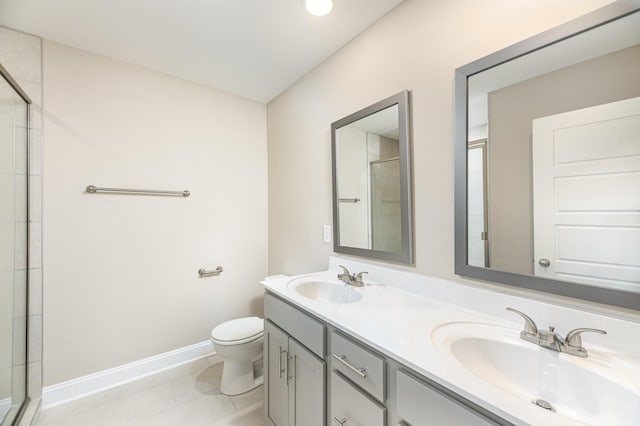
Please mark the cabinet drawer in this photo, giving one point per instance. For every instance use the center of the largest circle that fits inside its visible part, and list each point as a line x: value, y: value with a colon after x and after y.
x: 302, y: 327
x: 420, y: 404
x: 351, y: 407
x: 358, y: 364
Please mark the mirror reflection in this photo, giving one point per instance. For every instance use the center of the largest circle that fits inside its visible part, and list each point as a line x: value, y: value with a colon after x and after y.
x: 553, y: 161
x: 368, y: 159
x: 371, y: 197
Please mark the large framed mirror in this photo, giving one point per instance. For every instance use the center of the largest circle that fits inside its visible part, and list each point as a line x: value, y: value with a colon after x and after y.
x: 547, y: 184
x: 371, y: 182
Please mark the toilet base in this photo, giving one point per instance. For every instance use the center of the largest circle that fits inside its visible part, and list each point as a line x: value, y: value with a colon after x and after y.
x: 241, y: 376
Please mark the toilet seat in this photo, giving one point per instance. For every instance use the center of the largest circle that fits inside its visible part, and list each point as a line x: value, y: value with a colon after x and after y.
x: 238, y: 331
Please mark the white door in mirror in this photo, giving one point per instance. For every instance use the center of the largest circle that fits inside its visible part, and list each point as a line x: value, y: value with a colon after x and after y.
x: 586, y: 195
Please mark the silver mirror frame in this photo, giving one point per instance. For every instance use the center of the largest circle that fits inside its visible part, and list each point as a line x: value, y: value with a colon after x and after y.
x: 406, y: 255
x: 589, y: 21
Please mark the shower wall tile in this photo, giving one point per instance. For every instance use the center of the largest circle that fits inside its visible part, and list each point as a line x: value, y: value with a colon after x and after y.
x: 20, y: 245
x: 36, y: 117
x: 7, y: 42
x: 20, y: 114
x: 34, y: 91
x: 35, y: 245
x: 27, y: 53
x: 35, y: 292
x: 35, y: 338
x: 18, y: 386
x: 35, y: 198
x: 7, y: 235
x: 21, y: 198
x: 35, y: 153
x: 19, y: 341
x: 34, y: 386
x: 21, y: 54
x: 21, y: 151
x: 7, y: 207
x: 19, y: 293
x: 6, y: 149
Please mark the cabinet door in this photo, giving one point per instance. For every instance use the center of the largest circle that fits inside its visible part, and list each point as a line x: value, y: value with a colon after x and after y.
x: 276, y: 398
x: 307, y: 386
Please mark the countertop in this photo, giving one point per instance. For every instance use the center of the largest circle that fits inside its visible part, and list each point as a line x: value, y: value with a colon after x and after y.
x: 400, y: 324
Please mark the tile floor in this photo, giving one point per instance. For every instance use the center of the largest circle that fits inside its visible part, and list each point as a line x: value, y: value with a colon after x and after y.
x: 188, y: 395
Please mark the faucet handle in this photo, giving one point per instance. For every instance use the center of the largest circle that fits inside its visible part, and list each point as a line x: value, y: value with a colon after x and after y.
x: 359, y: 277
x: 530, y: 327
x: 344, y: 270
x: 573, y: 338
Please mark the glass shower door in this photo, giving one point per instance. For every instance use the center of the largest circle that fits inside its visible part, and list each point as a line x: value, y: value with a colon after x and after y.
x: 13, y: 249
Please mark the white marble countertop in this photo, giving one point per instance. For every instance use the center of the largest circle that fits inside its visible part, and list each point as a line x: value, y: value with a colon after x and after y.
x: 400, y: 324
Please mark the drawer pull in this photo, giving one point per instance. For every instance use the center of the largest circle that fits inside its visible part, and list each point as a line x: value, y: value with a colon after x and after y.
x: 403, y: 423
x: 339, y: 422
x: 359, y: 371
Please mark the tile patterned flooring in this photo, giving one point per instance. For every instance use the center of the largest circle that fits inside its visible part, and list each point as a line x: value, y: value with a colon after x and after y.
x: 188, y: 395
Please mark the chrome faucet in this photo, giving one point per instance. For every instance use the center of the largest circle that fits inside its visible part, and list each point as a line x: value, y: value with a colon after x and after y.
x: 571, y: 344
x: 354, y: 280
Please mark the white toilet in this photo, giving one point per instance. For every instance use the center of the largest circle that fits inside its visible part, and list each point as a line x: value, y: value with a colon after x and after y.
x: 239, y: 343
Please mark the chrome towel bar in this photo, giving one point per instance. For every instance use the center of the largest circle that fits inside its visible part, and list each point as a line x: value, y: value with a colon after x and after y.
x: 91, y: 189
x: 204, y: 273
x: 349, y: 200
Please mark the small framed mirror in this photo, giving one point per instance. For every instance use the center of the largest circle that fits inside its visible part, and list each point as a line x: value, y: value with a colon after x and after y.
x: 371, y: 182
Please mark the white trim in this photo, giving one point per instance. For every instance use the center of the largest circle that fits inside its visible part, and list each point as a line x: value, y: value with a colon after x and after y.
x: 106, y: 379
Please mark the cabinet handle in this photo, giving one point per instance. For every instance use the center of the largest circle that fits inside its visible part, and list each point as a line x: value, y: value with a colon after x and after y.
x: 404, y: 423
x: 281, y: 368
x: 289, y: 358
x: 340, y: 422
x: 343, y: 359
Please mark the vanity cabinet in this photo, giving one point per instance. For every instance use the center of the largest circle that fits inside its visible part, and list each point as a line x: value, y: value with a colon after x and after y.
x: 294, y: 385
x: 361, y: 387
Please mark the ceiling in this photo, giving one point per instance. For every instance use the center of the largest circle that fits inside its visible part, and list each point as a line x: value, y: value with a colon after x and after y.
x: 251, y: 48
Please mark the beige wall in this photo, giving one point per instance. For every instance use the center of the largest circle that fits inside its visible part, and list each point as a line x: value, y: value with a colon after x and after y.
x: 602, y: 80
x: 121, y: 280
x: 417, y: 46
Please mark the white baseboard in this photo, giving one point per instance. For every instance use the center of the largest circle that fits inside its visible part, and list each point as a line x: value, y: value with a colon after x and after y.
x: 93, y: 383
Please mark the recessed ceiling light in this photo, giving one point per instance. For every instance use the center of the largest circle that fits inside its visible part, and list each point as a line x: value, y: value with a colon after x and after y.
x: 318, y: 7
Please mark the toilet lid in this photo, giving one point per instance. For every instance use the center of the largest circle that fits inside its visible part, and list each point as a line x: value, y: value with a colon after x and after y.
x: 237, y: 330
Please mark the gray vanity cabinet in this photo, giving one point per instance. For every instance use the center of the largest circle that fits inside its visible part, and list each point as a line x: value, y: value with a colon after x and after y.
x: 295, y: 371
x: 362, y: 387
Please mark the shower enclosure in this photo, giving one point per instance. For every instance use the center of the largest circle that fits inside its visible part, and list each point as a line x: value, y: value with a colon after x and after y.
x: 14, y: 259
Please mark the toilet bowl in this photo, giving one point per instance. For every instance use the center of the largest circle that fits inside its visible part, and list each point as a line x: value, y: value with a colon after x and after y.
x: 239, y: 343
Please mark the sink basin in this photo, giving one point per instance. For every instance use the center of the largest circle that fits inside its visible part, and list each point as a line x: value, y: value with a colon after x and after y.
x: 595, y: 390
x: 325, y: 289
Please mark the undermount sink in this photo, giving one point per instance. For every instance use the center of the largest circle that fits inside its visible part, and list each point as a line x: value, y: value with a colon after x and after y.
x: 324, y: 289
x: 596, y: 390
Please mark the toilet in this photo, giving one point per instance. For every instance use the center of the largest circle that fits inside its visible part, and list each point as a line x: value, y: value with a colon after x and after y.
x: 239, y: 343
